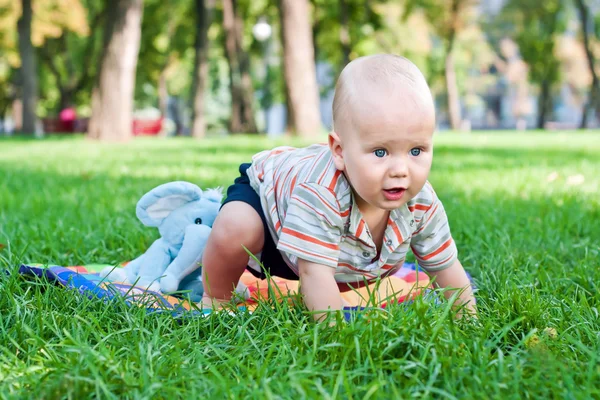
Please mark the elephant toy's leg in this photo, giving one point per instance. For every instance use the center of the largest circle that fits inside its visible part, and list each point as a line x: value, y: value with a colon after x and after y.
x: 192, y: 286
x: 155, y: 261
x: 188, y: 259
x: 114, y: 274
x: 126, y: 274
x: 132, y: 269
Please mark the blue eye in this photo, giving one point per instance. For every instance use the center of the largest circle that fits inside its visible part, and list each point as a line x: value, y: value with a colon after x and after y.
x: 415, y: 152
x: 380, y: 153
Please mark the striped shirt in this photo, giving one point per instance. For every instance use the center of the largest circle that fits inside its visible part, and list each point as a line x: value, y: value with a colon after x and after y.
x: 312, y: 215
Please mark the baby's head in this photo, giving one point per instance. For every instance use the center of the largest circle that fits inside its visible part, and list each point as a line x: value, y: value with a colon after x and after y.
x: 383, y: 123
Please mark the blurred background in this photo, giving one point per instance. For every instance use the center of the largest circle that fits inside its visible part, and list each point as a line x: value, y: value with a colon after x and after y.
x: 118, y: 68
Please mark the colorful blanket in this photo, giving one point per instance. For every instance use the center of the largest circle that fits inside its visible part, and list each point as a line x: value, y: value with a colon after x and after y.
x: 404, y: 284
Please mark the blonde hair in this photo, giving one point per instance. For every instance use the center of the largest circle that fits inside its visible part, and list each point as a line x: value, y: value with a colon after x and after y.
x: 378, y: 71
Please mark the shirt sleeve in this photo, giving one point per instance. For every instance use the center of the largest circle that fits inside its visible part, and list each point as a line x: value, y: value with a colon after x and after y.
x: 313, y: 224
x: 432, y: 242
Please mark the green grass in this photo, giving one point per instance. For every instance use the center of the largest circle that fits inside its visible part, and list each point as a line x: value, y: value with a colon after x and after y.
x: 531, y: 243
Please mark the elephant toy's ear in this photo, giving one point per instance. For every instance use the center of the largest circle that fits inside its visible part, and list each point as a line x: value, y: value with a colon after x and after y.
x: 158, y: 203
x: 215, y: 195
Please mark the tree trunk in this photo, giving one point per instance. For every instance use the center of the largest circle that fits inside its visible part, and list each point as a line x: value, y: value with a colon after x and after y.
x: 29, y: 76
x: 64, y: 85
x: 584, y: 116
x: 163, y: 92
x: 203, y: 20
x: 112, y: 98
x: 299, y: 68
x: 594, y: 95
x: 66, y: 99
x: 344, y: 32
x: 235, y: 121
x: 452, y: 91
x: 242, y: 111
x: 175, y: 107
x: 3, y: 110
x: 246, y: 79
x: 450, y: 75
x: 316, y: 31
x: 17, y: 114
x: 544, y: 104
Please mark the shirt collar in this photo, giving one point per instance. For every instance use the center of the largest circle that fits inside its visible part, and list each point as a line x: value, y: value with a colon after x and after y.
x: 400, y: 226
x: 357, y: 226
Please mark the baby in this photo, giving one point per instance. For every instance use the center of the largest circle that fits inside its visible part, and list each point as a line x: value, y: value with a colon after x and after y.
x: 340, y: 214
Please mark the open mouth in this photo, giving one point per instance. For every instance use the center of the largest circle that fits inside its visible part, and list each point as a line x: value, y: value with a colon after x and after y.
x: 394, y: 193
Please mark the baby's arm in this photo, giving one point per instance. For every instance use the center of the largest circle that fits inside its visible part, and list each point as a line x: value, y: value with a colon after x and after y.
x: 319, y: 289
x: 455, y: 277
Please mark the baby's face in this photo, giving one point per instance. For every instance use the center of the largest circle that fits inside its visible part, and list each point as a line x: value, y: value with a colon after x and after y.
x: 386, y: 151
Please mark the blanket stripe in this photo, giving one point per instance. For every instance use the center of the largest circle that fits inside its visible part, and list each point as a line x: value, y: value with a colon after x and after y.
x: 408, y: 282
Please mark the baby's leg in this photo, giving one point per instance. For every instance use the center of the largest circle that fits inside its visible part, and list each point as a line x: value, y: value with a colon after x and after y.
x: 237, y: 226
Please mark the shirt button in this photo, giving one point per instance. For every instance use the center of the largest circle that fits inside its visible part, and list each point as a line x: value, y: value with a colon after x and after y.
x: 389, y: 242
x: 366, y: 254
x: 412, y: 222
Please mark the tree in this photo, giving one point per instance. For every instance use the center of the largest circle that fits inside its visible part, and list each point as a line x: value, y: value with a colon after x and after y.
x: 534, y: 26
x: 341, y: 28
x: 9, y: 57
x: 447, y: 18
x: 242, y: 109
x: 594, y: 92
x: 7, y: 92
x: 204, y: 9
x: 156, y: 48
x: 29, y: 92
x: 345, y: 39
x: 112, y: 99
x: 167, y: 29
x: 72, y: 57
x: 299, y: 68
x: 59, y: 31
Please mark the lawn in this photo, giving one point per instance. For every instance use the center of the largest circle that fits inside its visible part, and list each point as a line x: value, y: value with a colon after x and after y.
x: 524, y: 210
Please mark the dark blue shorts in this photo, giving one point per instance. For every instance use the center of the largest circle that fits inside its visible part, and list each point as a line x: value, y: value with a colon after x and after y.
x: 270, y: 259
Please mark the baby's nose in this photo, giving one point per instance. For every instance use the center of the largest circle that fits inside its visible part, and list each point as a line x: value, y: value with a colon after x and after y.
x: 399, y: 169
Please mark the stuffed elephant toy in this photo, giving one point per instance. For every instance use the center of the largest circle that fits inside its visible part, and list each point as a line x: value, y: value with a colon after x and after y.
x: 184, y: 216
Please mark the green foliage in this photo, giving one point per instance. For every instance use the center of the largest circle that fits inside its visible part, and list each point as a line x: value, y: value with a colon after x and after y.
x: 68, y: 39
x: 70, y: 61
x: 9, y: 14
x: 363, y: 20
x: 167, y: 46
x: 535, y: 27
x: 269, y: 52
x: 7, y: 88
x: 529, y: 241
x: 451, y: 25
x: 168, y: 32
x: 447, y: 17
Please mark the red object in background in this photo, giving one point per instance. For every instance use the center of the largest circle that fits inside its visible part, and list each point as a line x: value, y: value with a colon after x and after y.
x: 147, y: 126
x: 68, y: 114
x: 68, y: 123
x: 55, y: 125
x: 67, y: 118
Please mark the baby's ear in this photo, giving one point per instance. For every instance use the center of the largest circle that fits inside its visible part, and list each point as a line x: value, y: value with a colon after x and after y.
x: 335, y: 145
